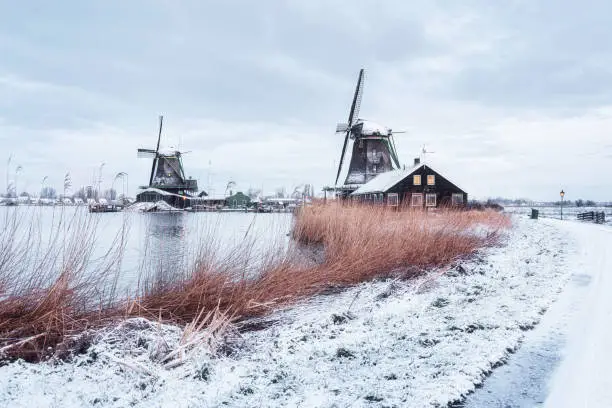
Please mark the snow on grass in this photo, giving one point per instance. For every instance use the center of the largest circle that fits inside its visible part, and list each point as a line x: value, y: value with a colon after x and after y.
x: 411, y: 344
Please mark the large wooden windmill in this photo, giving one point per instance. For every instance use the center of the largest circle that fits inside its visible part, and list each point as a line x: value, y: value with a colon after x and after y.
x: 167, y: 172
x: 373, y: 146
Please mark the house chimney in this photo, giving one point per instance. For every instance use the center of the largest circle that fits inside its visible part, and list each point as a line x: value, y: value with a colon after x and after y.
x: 417, y: 161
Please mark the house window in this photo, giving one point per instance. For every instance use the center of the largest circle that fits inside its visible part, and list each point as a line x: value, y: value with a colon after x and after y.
x: 431, y: 180
x: 417, y: 200
x: 393, y: 200
x: 430, y: 200
x: 457, y: 199
x: 416, y: 179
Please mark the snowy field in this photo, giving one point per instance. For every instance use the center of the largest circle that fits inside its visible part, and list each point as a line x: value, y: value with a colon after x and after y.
x: 428, y: 342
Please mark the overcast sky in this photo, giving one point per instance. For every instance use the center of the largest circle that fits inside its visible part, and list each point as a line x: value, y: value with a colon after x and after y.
x: 515, y: 99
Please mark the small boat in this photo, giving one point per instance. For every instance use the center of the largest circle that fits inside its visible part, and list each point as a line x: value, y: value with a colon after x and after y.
x: 104, y: 208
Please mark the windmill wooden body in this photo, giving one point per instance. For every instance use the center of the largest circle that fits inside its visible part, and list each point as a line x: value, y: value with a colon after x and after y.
x: 373, y: 150
x: 167, y: 180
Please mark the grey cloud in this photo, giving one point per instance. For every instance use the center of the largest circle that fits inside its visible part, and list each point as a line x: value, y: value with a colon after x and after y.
x: 552, y: 55
x: 257, y: 87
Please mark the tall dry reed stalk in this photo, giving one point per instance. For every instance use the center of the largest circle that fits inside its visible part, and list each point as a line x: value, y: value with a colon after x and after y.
x: 51, y: 285
x: 48, y: 290
x: 357, y: 243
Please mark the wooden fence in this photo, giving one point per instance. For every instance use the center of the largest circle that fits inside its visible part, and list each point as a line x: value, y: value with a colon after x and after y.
x: 598, y: 217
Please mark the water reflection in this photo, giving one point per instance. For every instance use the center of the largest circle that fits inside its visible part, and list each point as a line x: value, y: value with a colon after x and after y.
x: 166, y: 249
x: 158, y: 247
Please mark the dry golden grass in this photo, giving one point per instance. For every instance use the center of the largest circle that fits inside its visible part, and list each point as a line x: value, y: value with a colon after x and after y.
x: 51, y: 284
x: 357, y: 244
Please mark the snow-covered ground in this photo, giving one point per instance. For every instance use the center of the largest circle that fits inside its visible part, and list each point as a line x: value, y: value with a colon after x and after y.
x: 583, y: 378
x: 565, y: 361
x: 428, y: 342
x: 569, y: 213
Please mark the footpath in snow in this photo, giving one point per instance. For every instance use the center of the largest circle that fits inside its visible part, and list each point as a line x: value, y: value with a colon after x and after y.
x: 427, y: 342
x: 565, y: 361
x: 583, y: 378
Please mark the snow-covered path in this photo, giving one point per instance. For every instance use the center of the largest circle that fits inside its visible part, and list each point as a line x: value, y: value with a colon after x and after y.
x: 583, y: 377
x: 565, y: 360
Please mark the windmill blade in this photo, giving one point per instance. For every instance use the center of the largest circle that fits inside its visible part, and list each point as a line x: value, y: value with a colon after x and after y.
x: 341, y: 127
x: 348, y: 132
x: 393, y: 151
x: 353, y: 115
x: 146, y: 154
x: 354, y: 112
x: 161, y: 123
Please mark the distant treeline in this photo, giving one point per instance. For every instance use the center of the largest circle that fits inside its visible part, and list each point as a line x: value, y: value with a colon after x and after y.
x: 526, y: 202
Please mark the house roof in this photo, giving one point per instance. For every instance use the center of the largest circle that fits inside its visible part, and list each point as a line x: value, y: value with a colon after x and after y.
x: 382, y: 182
x: 385, y: 181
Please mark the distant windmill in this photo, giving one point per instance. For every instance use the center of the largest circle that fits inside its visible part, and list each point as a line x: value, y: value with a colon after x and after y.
x: 167, y: 168
x: 373, y: 146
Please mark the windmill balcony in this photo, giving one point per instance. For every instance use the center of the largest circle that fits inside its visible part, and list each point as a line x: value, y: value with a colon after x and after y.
x: 190, y: 185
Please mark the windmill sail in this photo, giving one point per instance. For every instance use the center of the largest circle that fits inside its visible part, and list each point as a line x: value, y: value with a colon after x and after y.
x: 161, y: 124
x: 146, y: 154
x: 353, y: 114
x: 373, y: 151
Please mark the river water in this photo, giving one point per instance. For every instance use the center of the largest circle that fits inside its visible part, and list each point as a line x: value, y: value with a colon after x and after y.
x: 162, y: 244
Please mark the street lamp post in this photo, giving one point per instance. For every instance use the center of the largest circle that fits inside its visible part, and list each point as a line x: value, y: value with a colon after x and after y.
x: 562, y: 194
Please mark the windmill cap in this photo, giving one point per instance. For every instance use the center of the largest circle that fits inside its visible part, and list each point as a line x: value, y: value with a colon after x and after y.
x: 369, y: 128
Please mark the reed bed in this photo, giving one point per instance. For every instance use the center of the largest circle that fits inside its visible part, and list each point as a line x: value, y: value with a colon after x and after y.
x: 49, y: 291
x: 51, y: 285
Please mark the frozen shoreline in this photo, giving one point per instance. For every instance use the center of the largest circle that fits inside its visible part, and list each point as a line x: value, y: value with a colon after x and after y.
x: 419, y: 343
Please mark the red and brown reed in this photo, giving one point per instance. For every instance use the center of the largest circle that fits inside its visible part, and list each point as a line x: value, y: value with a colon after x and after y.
x: 355, y: 244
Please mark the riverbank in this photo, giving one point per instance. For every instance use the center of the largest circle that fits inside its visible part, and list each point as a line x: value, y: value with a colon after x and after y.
x: 389, y: 342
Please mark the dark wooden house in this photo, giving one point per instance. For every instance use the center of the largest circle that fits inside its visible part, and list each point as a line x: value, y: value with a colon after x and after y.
x: 238, y: 200
x: 418, y: 187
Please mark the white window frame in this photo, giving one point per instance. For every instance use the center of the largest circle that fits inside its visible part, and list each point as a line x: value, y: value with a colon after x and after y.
x: 412, y: 201
x: 393, y: 199
x: 457, y: 199
x: 433, y: 176
x: 427, y: 197
x: 414, y: 179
